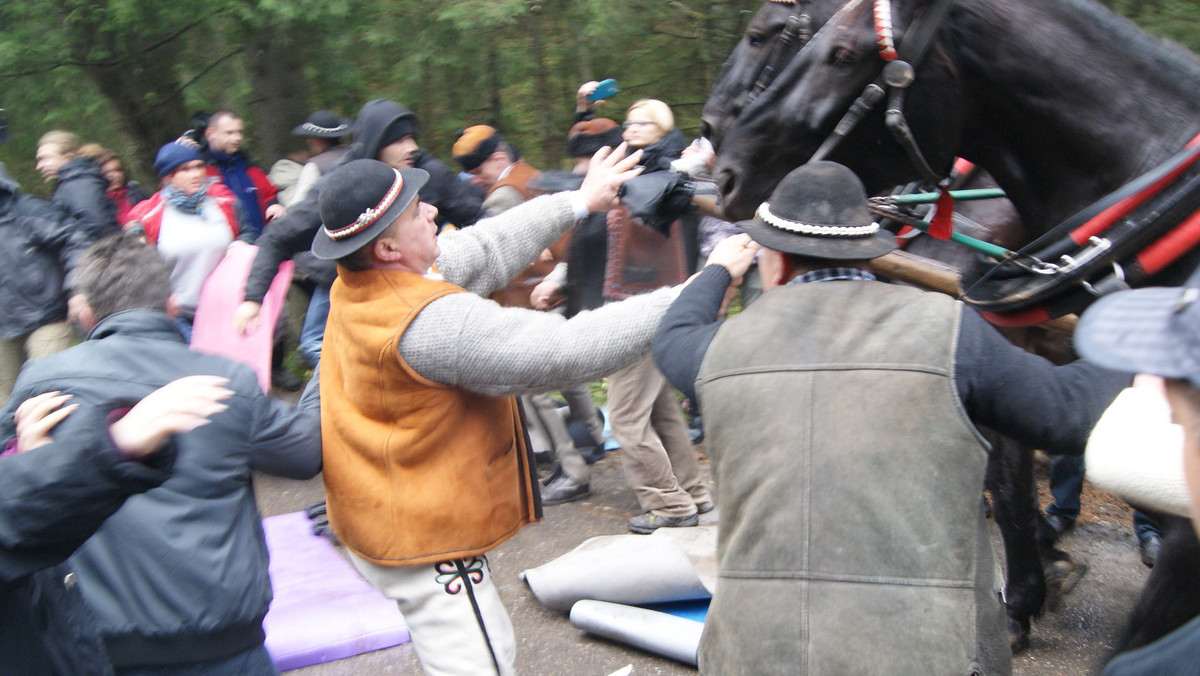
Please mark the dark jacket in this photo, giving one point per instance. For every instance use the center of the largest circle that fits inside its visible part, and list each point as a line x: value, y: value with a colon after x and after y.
x: 51, y: 500
x: 39, y: 245
x: 179, y: 574
x: 248, y: 183
x: 83, y: 191
x: 457, y: 202
x: 658, y: 157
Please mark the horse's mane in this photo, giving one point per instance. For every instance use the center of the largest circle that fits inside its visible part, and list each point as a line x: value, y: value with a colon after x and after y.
x: 1162, y: 56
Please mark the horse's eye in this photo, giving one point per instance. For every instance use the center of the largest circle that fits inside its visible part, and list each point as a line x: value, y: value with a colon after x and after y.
x: 755, y: 39
x: 842, y: 56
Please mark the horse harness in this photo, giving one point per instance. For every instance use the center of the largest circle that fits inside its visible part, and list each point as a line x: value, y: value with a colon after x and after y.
x: 1147, y: 224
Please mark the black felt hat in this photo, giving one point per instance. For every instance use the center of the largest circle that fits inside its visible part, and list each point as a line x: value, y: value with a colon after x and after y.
x: 323, y: 124
x: 819, y: 210
x: 358, y: 201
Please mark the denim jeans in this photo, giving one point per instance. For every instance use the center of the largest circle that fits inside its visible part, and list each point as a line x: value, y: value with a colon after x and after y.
x: 312, y: 333
x: 1066, y: 483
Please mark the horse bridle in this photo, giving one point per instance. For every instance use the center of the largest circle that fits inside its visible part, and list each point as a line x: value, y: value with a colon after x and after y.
x: 899, y: 72
x: 797, y: 29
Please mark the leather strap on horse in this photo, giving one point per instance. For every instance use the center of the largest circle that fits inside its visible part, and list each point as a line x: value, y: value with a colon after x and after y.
x: 1134, y: 232
x: 898, y: 73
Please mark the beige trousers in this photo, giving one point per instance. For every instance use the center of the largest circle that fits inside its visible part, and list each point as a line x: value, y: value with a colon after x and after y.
x: 657, y: 454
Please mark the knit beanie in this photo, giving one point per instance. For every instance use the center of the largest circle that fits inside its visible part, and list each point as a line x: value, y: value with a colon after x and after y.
x: 398, y: 129
x: 173, y: 154
x: 474, y: 145
x: 585, y: 138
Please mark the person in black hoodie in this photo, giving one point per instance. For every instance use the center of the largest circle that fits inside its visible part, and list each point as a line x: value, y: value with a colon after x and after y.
x: 81, y: 187
x: 56, y: 492
x: 39, y: 245
x: 385, y: 131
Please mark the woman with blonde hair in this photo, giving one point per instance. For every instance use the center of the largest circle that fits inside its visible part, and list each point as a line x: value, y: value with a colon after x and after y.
x: 80, y: 186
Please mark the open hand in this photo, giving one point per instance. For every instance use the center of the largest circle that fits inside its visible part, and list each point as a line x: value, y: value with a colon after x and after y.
x: 179, y: 406
x: 607, y: 170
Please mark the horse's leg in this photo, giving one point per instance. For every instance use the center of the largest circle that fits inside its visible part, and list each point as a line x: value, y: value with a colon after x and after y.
x: 1014, y: 506
x: 1171, y: 596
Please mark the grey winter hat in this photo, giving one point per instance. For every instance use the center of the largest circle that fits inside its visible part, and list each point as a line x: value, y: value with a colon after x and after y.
x: 1152, y: 330
x: 323, y: 124
x: 819, y: 210
x: 358, y: 201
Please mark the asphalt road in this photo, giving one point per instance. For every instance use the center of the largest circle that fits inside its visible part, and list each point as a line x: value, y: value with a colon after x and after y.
x: 1074, y: 640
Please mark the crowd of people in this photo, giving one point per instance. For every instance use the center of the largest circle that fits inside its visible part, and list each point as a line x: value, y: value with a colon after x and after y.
x: 446, y: 306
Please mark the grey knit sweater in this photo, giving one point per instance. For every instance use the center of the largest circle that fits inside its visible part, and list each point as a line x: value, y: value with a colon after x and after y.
x: 465, y: 340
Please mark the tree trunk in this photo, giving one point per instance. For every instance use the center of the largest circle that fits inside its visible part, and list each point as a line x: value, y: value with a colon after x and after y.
x: 275, y: 60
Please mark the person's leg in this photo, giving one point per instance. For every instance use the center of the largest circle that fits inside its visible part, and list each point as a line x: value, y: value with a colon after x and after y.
x: 1149, y: 536
x: 1066, y: 484
x: 312, y: 332
x: 667, y: 419
x: 632, y: 393
x: 48, y: 339
x: 184, y: 325
x: 572, y: 483
x: 458, y: 625
x: 583, y: 407
x: 12, y: 355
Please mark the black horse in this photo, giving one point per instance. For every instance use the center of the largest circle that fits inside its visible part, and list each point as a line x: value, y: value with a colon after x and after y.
x: 1062, y: 102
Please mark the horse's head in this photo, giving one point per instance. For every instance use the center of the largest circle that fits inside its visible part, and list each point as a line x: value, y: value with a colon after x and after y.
x: 779, y: 30
x: 784, y: 125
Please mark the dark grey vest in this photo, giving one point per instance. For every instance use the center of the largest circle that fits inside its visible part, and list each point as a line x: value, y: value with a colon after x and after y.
x: 852, y: 536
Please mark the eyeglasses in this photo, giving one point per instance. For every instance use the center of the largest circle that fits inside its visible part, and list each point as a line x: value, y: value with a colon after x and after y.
x: 636, y: 123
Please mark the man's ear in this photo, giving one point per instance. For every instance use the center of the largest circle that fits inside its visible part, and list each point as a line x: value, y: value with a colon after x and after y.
x: 386, y: 251
x: 84, y: 315
x: 173, y: 305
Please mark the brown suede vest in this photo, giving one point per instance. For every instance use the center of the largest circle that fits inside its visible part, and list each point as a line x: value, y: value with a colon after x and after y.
x: 517, y: 177
x: 415, y: 471
x: 852, y: 536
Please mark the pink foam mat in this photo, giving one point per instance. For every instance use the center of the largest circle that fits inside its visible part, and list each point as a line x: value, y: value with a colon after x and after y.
x: 323, y: 610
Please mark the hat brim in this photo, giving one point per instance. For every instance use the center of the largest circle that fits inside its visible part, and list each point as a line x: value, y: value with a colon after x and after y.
x: 832, y: 248
x: 344, y: 128
x: 327, y: 248
x: 1142, y: 331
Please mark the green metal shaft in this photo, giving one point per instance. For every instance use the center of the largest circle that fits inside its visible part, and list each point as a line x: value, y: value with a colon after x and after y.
x: 976, y: 244
x: 958, y: 195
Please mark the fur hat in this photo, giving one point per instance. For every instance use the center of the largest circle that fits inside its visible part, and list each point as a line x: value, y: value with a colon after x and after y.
x: 819, y: 210
x: 172, y: 155
x: 323, y: 124
x: 358, y: 201
x: 585, y: 138
x: 474, y: 145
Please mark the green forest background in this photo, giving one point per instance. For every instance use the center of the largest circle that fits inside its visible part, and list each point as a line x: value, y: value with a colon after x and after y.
x: 129, y: 73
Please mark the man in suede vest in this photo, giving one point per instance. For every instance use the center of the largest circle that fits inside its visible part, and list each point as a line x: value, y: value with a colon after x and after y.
x: 426, y: 462
x: 839, y: 419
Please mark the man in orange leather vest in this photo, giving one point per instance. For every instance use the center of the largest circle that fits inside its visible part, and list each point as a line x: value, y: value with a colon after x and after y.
x: 426, y: 461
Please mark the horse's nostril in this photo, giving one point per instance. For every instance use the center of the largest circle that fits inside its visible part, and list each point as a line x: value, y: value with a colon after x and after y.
x: 727, y: 181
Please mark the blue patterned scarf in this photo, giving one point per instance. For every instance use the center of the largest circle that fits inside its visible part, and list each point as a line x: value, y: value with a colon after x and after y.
x: 188, y: 204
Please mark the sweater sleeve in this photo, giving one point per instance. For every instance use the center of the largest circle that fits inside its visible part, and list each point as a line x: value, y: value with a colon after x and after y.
x: 1026, y: 397
x: 688, y: 328
x: 466, y: 341
x: 486, y: 256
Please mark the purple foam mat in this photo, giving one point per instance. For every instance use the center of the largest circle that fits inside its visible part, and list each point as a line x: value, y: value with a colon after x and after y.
x: 323, y: 610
